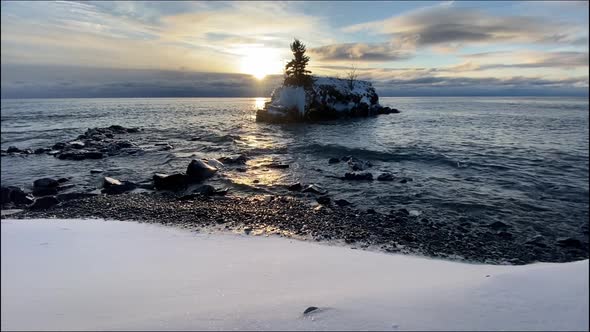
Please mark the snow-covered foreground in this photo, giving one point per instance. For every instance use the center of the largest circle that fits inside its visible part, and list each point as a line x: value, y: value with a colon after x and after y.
x: 124, y: 275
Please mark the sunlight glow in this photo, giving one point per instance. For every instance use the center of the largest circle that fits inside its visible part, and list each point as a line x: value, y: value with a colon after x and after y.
x: 260, y: 62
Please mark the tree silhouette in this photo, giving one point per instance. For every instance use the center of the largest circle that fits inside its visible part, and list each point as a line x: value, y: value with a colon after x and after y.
x: 295, y: 72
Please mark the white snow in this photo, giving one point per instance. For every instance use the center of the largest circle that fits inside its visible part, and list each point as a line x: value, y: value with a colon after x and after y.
x: 291, y: 97
x: 96, y: 274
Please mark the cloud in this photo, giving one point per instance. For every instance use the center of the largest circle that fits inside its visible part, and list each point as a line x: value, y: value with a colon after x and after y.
x: 378, y: 52
x: 521, y: 60
x: 448, y: 24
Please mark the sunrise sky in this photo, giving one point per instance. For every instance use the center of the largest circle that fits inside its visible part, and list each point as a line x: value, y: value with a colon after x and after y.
x: 142, y: 49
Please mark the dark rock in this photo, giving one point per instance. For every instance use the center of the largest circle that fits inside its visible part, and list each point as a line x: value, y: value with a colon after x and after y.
x: 241, y: 169
x: 199, y: 170
x: 504, y: 235
x: 13, y: 149
x: 403, y: 181
x: 385, y: 177
x: 295, y: 187
x: 170, y: 182
x: 357, y: 164
x: 404, y: 211
x: 76, y: 145
x: 498, y: 225
x: 342, y: 202
x: 72, y: 196
x: 5, y: 195
x: 205, y: 190
x: 239, y: 159
x: 43, y: 203
x: 44, y: 191
x: 276, y: 165
x: 247, y: 229
x: 358, y: 176
x: 58, y: 146
x: 309, y: 310
x: 65, y: 186
x: 41, y: 150
x: 45, y: 183
x: 371, y: 211
x: 324, y: 200
x: 113, y: 186
x: 18, y: 196
x: 256, y: 181
x: 315, y: 189
x: 96, y: 170
x: 80, y: 155
x: 569, y: 243
x: 62, y: 180
x: 387, y: 110
x: 537, y: 241
x: 27, y: 151
x: 333, y: 161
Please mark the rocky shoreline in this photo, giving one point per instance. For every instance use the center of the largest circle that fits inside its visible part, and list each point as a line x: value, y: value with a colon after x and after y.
x: 397, y: 231
x: 305, y: 210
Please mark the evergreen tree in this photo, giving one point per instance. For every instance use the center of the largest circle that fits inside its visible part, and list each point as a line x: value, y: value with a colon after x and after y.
x: 295, y: 72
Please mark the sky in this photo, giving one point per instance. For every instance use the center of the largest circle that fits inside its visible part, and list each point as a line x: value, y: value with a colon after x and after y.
x: 183, y: 49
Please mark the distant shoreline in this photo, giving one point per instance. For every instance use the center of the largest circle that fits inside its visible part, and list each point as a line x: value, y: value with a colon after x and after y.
x: 238, y: 97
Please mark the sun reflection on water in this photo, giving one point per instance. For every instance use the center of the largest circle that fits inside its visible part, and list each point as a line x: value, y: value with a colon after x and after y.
x: 259, y: 102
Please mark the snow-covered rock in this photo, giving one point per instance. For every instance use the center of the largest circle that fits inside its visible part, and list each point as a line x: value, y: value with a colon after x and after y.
x: 327, y: 98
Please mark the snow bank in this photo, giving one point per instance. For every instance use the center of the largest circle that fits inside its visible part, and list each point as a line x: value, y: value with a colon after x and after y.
x: 123, y: 275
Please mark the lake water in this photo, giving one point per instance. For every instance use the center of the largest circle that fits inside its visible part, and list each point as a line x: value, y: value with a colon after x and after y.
x: 522, y: 161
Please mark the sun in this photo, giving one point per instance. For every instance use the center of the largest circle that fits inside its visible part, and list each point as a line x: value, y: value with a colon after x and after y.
x: 260, y: 62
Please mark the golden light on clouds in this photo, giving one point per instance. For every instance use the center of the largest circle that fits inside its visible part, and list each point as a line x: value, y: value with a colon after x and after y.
x: 260, y: 61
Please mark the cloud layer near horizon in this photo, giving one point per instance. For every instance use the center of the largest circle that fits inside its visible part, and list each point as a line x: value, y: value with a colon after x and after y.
x: 142, y: 49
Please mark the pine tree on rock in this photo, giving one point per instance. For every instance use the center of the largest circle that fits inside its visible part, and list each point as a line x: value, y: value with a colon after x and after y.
x: 295, y: 72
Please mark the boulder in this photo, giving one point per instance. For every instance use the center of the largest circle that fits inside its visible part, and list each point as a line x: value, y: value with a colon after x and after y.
x: 45, y: 183
x: 237, y: 159
x: 569, y: 243
x: 295, y: 187
x: 96, y: 170
x: 358, y: 176
x: 276, y: 165
x: 76, y: 145
x: 44, y: 191
x: 113, y: 186
x: 170, y: 182
x: 58, y: 146
x: 199, y: 170
x: 43, y: 203
x: 80, y: 155
x: 357, y: 164
x: 333, y: 160
x: 324, y: 200
x: 5, y: 191
x: 342, y: 202
x: 385, y: 177
x: 19, y: 197
x: 41, y: 150
x: 13, y: 149
x: 498, y: 225
x: 315, y: 189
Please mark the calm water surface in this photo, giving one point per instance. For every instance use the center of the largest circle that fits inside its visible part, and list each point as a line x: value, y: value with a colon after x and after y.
x: 523, y: 161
